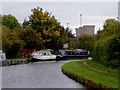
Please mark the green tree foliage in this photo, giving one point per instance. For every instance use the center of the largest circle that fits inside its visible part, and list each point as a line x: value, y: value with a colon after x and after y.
x: 6, y: 41
x: 10, y: 21
x: 16, y: 37
x: 107, y: 51
x: 107, y: 48
x: 13, y: 52
x: 41, y: 31
x: 86, y: 42
x: 110, y: 27
x: 25, y: 23
x: 52, y: 33
x: 32, y: 39
x: 40, y: 20
x: 11, y: 40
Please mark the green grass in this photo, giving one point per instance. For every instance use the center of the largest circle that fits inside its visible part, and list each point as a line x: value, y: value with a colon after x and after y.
x: 81, y: 73
x: 16, y: 59
x: 100, y: 66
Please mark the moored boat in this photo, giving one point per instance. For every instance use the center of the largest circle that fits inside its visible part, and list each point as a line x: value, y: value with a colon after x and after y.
x: 2, y: 57
x: 42, y: 55
x: 79, y: 53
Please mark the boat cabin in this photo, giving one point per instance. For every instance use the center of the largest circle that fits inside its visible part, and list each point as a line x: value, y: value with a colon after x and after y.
x: 74, y: 53
x: 2, y: 56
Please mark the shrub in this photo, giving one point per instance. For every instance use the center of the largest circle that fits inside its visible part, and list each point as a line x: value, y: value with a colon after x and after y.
x: 28, y: 55
x: 107, y: 51
x: 86, y: 42
x: 99, y: 52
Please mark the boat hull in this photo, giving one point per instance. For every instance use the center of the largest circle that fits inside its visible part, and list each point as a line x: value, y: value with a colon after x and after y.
x: 43, y: 58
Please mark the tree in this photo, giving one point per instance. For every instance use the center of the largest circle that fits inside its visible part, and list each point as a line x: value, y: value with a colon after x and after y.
x: 40, y: 20
x: 86, y: 42
x: 16, y: 37
x: 11, y: 41
x: 6, y: 41
x: 10, y: 21
x: 13, y: 52
x: 33, y: 40
x: 110, y: 27
x: 25, y: 23
x: 107, y: 48
x: 52, y: 32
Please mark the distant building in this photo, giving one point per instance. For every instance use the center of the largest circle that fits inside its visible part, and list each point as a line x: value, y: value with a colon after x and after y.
x: 87, y: 30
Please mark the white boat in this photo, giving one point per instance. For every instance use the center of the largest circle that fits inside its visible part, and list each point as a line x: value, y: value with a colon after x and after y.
x: 43, y: 55
x: 2, y: 56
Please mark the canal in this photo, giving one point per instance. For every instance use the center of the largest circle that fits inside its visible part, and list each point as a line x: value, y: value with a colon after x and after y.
x: 46, y: 74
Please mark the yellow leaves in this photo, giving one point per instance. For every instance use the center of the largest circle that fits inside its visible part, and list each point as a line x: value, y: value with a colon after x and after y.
x: 59, y: 29
x: 46, y: 14
x: 47, y: 32
x: 48, y: 40
x: 57, y: 33
x: 53, y: 18
x: 50, y: 34
x: 53, y: 27
x: 43, y: 21
x: 44, y: 41
x: 44, y: 32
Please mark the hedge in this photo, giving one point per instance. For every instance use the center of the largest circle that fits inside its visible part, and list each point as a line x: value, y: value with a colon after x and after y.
x: 107, y: 51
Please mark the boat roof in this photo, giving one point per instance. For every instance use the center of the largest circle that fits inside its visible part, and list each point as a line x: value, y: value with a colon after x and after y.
x: 42, y: 51
x: 46, y: 50
x: 1, y: 51
x: 71, y: 50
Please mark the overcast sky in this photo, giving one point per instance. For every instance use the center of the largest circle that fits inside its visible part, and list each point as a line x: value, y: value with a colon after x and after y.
x: 94, y: 12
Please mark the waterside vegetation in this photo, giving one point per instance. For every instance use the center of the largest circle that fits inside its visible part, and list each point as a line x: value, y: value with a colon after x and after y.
x: 98, y: 76
x: 103, y: 70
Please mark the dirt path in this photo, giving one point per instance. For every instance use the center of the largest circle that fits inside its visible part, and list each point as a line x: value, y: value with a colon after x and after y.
x: 94, y: 68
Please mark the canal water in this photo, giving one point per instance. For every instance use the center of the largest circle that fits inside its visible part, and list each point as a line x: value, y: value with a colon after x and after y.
x: 46, y: 74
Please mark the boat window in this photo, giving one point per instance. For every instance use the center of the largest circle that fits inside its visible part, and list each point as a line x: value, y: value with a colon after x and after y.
x: 49, y: 53
x: 67, y: 53
x: 40, y: 54
x: 44, y: 53
x: 1, y: 56
x: 0, y: 52
x: 78, y: 53
x: 52, y: 52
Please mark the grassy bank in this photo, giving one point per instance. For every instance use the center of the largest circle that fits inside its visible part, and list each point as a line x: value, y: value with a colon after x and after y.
x: 17, y: 59
x: 83, y: 74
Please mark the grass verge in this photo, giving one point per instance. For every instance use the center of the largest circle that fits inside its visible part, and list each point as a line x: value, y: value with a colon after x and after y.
x: 86, y: 76
x: 17, y: 59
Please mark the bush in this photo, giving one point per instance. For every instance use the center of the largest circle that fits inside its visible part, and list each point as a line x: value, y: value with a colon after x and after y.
x: 99, y: 51
x: 13, y: 51
x: 86, y: 42
x: 107, y: 51
x: 28, y: 55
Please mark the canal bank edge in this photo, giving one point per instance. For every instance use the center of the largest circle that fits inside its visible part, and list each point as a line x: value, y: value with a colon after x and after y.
x: 82, y: 79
